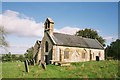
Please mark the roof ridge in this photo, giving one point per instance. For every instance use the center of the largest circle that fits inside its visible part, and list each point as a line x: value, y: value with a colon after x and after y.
x: 60, y: 33
x: 66, y: 34
x: 72, y: 35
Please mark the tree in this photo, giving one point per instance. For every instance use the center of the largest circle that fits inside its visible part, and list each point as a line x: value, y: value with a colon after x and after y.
x: 113, y: 49
x: 14, y: 57
x: 29, y: 53
x: 21, y: 58
x: 3, y: 57
x: 7, y: 57
x: 3, y: 42
x: 89, y: 33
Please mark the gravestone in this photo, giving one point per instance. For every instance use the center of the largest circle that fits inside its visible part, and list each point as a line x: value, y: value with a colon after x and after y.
x: 26, y: 66
x: 28, y: 62
x: 33, y: 61
x: 43, y: 65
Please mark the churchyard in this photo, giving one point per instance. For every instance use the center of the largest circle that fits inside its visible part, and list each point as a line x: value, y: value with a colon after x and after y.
x: 90, y: 69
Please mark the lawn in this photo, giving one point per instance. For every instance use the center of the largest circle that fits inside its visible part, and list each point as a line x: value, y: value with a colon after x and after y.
x: 90, y: 69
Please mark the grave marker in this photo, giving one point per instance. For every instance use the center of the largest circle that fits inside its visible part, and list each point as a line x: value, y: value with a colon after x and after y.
x: 33, y: 61
x: 26, y: 66
x: 28, y: 62
x: 43, y: 65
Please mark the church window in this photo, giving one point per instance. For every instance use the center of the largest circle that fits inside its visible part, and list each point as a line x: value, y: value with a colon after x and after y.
x: 46, y: 46
x: 66, y: 54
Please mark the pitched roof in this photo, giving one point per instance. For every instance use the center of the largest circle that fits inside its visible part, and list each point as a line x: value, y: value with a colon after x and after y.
x: 75, y: 41
x: 50, y: 20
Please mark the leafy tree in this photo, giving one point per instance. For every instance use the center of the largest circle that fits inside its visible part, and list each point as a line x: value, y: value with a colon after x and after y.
x: 21, y: 58
x: 3, y: 42
x: 89, y: 33
x: 113, y: 49
x: 8, y: 57
x: 29, y: 53
x: 3, y: 57
x: 14, y: 57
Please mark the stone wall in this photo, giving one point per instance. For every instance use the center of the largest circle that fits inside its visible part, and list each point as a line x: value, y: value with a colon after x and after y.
x: 50, y: 46
x: 76, y: 54
x: 35, y: 49
x: 37, y: 52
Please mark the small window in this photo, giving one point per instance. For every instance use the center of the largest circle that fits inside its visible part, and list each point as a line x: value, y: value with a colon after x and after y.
x: 83, y: 55
x: 66, y: 54
x: 46, y: 46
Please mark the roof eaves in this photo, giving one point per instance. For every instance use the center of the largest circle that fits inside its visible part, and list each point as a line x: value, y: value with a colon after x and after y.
x: 78, y: 46
x: 52, y: 39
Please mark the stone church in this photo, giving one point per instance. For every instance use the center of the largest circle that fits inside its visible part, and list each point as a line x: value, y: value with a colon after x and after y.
x: 59, y: 47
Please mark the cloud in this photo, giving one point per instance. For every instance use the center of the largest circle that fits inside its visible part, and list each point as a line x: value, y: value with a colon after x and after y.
x: 20, y: 25
x: 108, y: 37
x: 16, y: 48
x: 68, y: 30
x: 98, y: 31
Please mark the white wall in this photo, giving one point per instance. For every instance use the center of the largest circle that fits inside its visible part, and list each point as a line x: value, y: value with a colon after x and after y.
x: 76, y: 54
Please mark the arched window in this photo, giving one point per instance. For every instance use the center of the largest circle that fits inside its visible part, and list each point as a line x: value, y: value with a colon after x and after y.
x: 66, y: 54
x: 83, y: 55
x: 46, y: 46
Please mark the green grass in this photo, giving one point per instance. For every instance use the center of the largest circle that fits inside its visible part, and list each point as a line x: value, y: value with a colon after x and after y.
x: 91, y: 69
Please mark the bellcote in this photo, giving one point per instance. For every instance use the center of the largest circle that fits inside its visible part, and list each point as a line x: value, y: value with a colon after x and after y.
x: 49, y: 25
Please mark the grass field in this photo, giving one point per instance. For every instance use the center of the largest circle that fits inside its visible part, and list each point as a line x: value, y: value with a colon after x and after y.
x: 91, y: 69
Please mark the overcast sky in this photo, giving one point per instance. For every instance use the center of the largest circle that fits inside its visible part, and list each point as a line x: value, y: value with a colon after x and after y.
x: 24, y: 20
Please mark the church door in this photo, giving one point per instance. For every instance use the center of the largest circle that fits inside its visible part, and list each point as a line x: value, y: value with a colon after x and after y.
x: 46, y: 59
